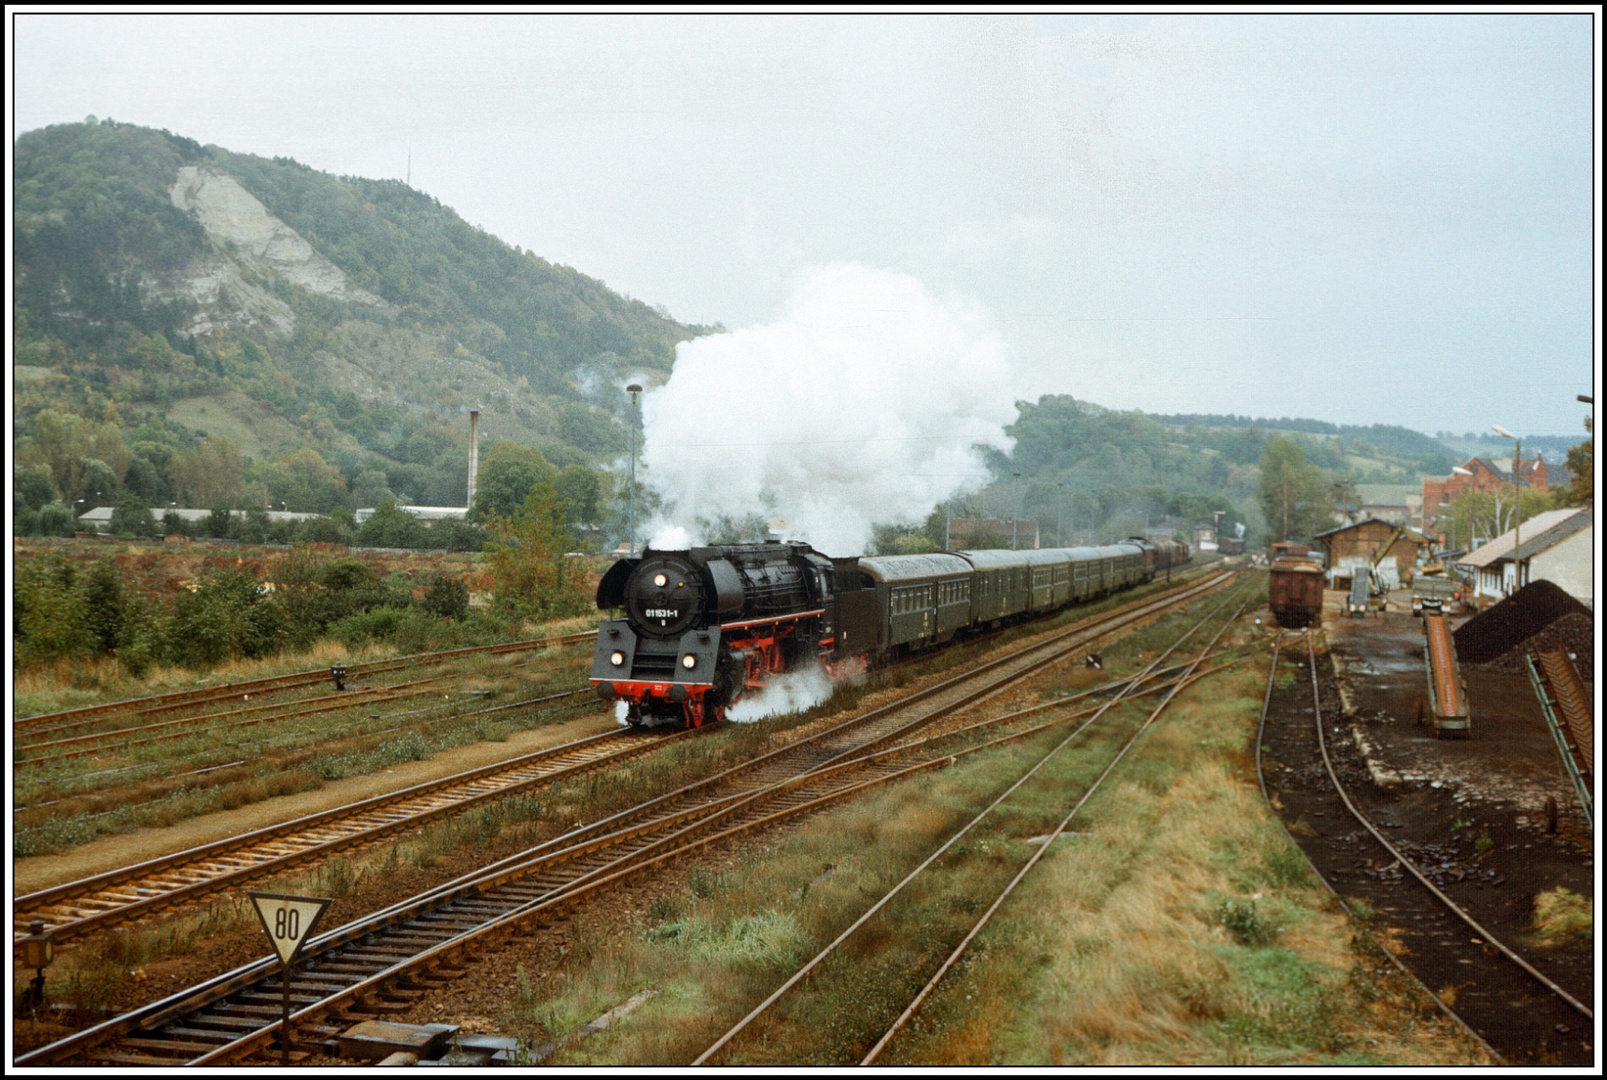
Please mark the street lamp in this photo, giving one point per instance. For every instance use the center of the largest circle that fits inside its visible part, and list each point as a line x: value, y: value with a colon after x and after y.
x: 1060, y: 516
x: 1517, y: 496
x: 633, y: 389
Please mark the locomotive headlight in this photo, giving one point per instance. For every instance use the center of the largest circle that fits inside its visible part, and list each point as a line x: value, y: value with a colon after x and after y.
x: 689, y: 661
x: 660, y: 580
x: 618, y: 659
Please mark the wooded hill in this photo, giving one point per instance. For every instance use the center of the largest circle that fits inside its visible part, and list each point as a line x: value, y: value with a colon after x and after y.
x: 1100, y: 474
x: 334, y: 328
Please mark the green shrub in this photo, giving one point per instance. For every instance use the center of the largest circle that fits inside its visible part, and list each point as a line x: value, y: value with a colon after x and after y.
x: 447, y: 596
x: 1247, y: 926
x: 378, y: 624
x: 223, y: 619
x: 50, y: 611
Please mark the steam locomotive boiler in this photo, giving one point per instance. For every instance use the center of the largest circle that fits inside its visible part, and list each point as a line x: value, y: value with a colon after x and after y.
x: 702, y: 626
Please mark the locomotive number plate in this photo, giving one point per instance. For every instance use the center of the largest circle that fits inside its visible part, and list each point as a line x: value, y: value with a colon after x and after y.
x: 663, y: 613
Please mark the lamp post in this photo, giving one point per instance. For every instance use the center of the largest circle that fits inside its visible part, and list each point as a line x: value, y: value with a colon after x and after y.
x: 1517, y: 497
x: 633, y: 389
x: 1060, y: 516
x: 1017, y: 515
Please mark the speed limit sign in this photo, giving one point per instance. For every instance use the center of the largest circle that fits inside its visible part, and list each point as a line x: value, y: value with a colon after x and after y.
x: 288, y: 920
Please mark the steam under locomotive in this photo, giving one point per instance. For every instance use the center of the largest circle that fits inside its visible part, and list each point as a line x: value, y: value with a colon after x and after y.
x: 704, y: 626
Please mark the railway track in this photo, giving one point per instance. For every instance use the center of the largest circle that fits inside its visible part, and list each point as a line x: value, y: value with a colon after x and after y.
x: 383, y: 962
x: 176, y: 881
x: 1522, y: 1014
x: 1130, y: 690
x: 158, y: 704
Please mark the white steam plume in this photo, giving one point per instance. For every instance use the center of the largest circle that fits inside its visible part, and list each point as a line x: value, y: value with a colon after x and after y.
x: 860, y: 404
x: 794, y: 691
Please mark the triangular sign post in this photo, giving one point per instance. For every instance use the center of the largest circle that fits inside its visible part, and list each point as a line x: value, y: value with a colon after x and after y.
x: 289, y: 922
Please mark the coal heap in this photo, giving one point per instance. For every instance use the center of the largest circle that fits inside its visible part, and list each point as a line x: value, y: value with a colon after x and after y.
x: 1497, y: 631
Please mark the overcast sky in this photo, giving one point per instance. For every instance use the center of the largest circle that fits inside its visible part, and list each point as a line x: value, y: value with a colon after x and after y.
x: 1359, y: 218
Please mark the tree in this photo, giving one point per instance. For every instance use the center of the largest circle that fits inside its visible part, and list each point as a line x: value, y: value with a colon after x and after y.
x: 225, y: 617
x: 33, y: 490
x: 103, y: 604
x: 210, y: 473
x: 508, y: 473
x: 219, y: 524
x: 391, y: 527
x: 531, y: 577
x: 447, y: 596
x: 1294, y: 495
x: 50, y: 612
x: 1582, y: 463
x: 1484, y: 515
x: 132, y: 516
x: 581, y: 490
x: 371, y: 487
x: 911, y: 544
x: 304, y: 481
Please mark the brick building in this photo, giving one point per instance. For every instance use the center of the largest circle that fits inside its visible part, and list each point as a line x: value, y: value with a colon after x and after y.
x: 1483, y: 474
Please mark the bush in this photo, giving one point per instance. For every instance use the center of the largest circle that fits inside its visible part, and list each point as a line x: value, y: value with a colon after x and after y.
x: 316, y: 592
x: 1247, y: 926
x: 378, y: 624
x: 224, y: 618
x: 321, y: 530
x: 50, y: 611
x: 447, y: 596
x: 391, y: 527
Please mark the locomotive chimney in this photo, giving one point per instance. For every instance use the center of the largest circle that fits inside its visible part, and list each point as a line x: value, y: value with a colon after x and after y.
x: 474, y: 453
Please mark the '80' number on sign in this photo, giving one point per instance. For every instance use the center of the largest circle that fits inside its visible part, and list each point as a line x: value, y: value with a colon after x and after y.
x: 287, y: 924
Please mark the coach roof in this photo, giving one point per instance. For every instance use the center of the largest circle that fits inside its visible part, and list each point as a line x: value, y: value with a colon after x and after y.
x: 895, y: 568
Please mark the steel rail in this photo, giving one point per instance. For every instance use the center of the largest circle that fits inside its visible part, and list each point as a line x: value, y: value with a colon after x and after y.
x: 1083, y: 632
x: 1411, y: 867
x: 804, y: 971
x: 128, y: 893
x: 1043, y: 849
x: 471, y: 889
x: 1261, y: 779
x: 379, y: 696
x: 595, y: 880
x: 180, y: 698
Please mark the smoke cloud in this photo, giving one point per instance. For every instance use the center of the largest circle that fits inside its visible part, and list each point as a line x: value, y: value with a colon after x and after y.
x: 862, y: 403
x: 793, y: 691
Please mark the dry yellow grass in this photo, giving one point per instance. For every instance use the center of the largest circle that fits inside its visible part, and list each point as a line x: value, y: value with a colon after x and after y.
x: 1119, y: 950
x: 1116, y: 952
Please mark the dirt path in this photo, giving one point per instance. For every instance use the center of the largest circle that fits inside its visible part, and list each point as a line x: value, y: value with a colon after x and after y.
x: 111, y: 852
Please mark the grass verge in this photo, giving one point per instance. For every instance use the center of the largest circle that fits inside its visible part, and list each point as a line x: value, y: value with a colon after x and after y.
x: 1175, y: 926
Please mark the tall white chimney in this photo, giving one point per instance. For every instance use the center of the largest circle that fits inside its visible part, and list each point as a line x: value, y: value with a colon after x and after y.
x: 474, y: 452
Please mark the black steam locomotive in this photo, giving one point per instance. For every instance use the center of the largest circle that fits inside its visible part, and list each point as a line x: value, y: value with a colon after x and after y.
x: 704, y: 626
